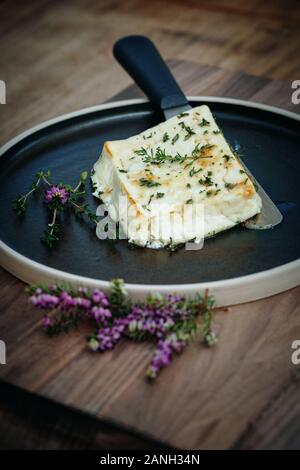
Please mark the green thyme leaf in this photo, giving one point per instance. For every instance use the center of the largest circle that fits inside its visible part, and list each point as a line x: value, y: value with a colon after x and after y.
x: 229, y: 185
x: 175, y: 138
x: 204, y: 122
x: 180, y: 115
x: 148, y: 183
x: 207, y: 181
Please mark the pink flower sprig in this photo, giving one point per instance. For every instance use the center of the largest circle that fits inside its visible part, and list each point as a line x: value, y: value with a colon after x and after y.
x: 57, y: 198
x: 56, y: 195
x: 169, y: 321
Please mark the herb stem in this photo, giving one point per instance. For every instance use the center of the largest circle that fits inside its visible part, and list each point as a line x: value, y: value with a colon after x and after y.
x: 45, y: 180
x: 31, y: 191
x: 52, y: 223
x: 80, y: 208
x: 77, y: 187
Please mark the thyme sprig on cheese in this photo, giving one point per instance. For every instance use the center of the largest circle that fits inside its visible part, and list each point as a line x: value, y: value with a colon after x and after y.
x: 160, y: 156
x: 180, y: 115
x: 204, y: 123
x: 189, y: 131
x: 206, y: 181
x: 175, y: 138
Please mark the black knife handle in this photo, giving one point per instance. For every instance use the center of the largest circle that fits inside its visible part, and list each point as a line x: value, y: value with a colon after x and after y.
x: 140, y: 58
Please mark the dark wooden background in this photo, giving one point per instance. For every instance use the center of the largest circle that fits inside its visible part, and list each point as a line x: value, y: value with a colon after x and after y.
x: 56, y: 57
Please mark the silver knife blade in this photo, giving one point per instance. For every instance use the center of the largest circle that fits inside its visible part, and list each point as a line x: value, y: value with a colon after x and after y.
x: 269, y: 216
x: 171, y: 112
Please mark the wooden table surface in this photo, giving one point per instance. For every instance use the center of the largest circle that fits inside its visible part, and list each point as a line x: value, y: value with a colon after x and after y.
x: 55, y: 393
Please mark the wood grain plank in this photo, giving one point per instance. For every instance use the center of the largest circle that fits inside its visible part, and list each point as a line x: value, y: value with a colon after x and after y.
x: 242, y: 373
x: 278, y: 426
x: 56, y: 57
x: 218, y: 392
x: 28, y: 421
x: 209, y: 397
x: 214, y: 394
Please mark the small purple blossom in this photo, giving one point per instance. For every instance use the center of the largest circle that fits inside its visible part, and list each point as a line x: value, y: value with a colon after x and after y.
x: 99, y: 297
x: 48, y: 301
x: 83, y: 303
x: 47, y: 322
x: 108, y: 337
x: 163, y: 354
x: 82, y: 290
x: 56, y: 193
x: 100, y: 314
x: 66, y: 301
x: 58, y: 198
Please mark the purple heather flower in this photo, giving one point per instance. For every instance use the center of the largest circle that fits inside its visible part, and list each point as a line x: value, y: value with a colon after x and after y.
x: 44, y: 300
x: 155, y: 318
x: 82, y: 290
x: 105, y: 339
x: 105, y: 302
x: 46, y: 322
x: 174, y: 299
x: 83, y: 303
x: 151, y: 318
x: 56, y: 193
x: 164, y: 353
x: 109, y: 336
x: 99, y: 297
x: 66, y: 301
x: 100, y: 314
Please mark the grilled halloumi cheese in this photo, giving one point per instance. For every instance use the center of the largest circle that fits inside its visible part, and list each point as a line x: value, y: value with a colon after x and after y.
x: 182, y: 162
